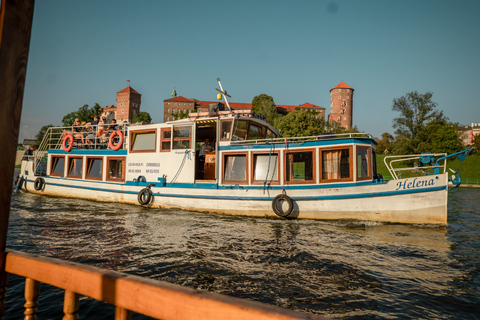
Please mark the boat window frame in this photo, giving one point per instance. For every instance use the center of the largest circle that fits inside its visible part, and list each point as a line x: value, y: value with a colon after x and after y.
x: 124, y: 164
x: 53, y: 165
x: 162, y: 139
x: 351, y: 161
x: 88, y: 168
x: 253, y: 162
x: 178, y: 139
x: 133, y: 133
x: 69, y: 161
x: 225, y: 155
x: 314, y: 166
x: 228, y: 134
x: 369, y: 164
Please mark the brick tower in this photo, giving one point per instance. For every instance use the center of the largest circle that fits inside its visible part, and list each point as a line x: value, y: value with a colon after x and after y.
x: 341, y: 105
x: 128, y: 104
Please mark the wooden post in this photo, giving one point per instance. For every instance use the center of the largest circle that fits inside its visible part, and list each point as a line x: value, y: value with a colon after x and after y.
x: 32, y: 291
x: 122, y: 314
x: 15, y: 29
x: 71, y: 305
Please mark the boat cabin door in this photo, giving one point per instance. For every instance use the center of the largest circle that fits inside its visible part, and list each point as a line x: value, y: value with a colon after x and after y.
x: 183, y: 149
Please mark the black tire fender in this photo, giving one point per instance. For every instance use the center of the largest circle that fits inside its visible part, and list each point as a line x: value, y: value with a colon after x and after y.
x: 277, y: 205
x: 39, y: 183
x: 144, y: 196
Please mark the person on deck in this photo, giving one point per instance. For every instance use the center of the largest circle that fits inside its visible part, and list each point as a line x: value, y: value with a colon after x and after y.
x: 92, y: 135
x: 205, y: 148
x: 28, y: 153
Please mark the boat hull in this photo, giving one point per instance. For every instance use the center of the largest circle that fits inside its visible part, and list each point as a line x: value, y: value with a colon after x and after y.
x: 419, y: 201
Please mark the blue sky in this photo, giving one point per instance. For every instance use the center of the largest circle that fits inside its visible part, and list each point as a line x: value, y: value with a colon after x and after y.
x: 82, y: 52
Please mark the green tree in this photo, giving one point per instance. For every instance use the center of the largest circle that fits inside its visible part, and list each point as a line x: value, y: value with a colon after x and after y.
x: 386, y: 143
x: 41, y: 134
x: 299, y: 123
x: 263, y: 104
x: 476, y: 144
x: 442, y: 136
x: 142, y: 117
x: 84, y: 114
x: 416, y: 112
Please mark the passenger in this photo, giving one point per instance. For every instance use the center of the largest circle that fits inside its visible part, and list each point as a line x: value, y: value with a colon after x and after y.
x: 78, y: 131
x: 101, y: 134
x: 92, y: 135
x: 28, y: 153
x: 205, y: 148
x: 113, y: 126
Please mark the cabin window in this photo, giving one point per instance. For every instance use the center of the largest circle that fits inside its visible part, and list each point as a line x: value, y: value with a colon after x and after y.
x: 270, y: 134
x: 265, y: 168
x: 143, y: 141
x: 240, y: 131
x: 75, y: 166
x: 336, y: 164
x: 116, y: 169
x: 363, y: 163
x: 255, y: 132
x: 235, y: 168
x: 225, y: 129
x: 300, y: 166
x: 181, y: 137
x: 94, y: 169
x: 58, y: 166
x: 166, y: 140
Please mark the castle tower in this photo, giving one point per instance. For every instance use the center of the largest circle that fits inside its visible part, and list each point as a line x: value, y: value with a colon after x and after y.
x: 128, y: 104
x: 341, y: 105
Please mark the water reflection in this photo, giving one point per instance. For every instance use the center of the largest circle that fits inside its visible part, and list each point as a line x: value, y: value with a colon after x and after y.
x: 341, y: 269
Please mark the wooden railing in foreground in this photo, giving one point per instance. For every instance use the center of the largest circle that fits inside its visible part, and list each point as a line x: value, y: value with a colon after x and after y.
x: 129, y: 293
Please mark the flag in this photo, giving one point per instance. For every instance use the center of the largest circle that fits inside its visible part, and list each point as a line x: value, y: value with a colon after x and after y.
x: 128, y: 80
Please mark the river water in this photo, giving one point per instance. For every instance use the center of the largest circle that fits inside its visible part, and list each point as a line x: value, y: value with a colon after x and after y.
x: 343, y: 270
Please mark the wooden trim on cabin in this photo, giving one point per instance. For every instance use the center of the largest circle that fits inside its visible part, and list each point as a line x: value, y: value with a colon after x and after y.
x: 72, y: 161
x: 134, y: 133
x: 122, y: 170
x: 350, y: 160
x: 163, y: 139
x: 369, y: 163
x: 253, y: 166
x: 53, y: 164
x: 286, y: 155
x: 225, y: 155
x: 88, y: 168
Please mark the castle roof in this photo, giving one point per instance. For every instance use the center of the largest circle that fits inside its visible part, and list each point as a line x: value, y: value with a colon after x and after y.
x: 179, y: 98
x: 342, y: 85
x: 129, y: 89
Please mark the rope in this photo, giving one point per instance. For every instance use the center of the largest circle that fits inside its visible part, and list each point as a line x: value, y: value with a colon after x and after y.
x: 268, y: 168
x: 187, y: 152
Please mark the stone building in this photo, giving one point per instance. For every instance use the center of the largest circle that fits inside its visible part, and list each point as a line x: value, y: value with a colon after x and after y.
x: 341, y: 105
x: 128, y: 104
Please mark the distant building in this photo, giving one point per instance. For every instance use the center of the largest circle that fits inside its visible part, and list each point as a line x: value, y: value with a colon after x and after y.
x: 467, y: 133
x: 128, y: 104
x: 178, y: 107
x: 341, y: 105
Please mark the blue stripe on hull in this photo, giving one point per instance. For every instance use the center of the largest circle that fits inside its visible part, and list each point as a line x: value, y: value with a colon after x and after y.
x: 270, y: 198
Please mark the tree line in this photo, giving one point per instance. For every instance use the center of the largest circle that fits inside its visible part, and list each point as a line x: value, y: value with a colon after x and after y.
x: 420, y: 127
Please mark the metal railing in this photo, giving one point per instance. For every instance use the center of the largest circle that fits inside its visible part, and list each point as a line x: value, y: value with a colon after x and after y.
x: 322, y: 137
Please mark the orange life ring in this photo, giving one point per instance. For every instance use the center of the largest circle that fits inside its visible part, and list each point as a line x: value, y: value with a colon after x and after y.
x: 64, y: 143
x: 120, y: 140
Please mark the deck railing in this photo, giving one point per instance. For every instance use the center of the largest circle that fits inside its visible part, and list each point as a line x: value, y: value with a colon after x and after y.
x: 296, y: 140
x: 130, y: 293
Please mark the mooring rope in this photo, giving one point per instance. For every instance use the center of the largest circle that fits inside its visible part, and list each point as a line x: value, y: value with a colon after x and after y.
x: 187, y: 152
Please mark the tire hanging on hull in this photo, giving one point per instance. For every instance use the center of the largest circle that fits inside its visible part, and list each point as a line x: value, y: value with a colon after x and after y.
x: 144, y: 196
x: 39, y: 184
x: 277, y: 205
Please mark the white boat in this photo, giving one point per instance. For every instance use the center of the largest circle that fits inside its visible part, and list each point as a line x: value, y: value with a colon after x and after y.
x: 249, y: 172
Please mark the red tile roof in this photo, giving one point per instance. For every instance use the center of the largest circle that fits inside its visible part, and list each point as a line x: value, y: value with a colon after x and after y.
x: 342, y: 85
x: 129, y: 89
x: 179, y: 98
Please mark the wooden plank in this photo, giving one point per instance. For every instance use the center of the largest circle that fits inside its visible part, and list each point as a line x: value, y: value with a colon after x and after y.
x: 149, y: 297
x: 15, y: 29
